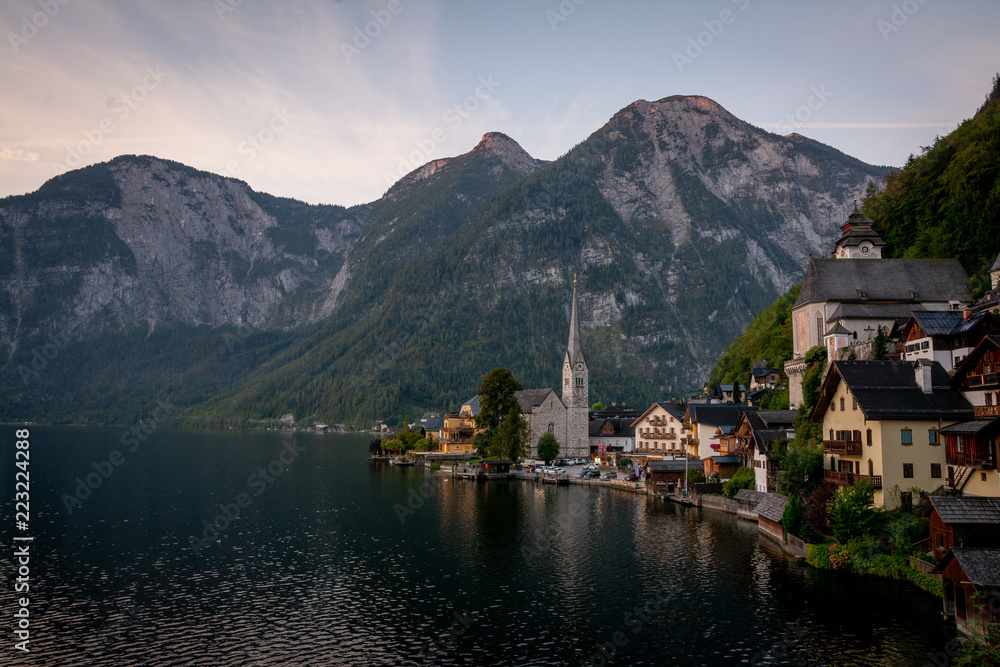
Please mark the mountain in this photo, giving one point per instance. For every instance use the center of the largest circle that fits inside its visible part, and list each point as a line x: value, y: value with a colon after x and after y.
x: 679, y: 221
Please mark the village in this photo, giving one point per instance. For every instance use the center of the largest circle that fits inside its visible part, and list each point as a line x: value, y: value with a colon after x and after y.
x: 884, y: 462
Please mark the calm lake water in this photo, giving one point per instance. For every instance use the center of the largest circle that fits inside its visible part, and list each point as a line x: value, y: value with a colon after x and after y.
x: 319, y: 568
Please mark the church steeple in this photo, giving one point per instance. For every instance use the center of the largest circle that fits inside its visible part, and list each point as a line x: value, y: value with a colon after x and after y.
x: 575, y: 372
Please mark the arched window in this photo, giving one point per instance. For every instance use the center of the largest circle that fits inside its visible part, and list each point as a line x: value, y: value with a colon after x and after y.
x: 819, y: 328
x: 552, y: 428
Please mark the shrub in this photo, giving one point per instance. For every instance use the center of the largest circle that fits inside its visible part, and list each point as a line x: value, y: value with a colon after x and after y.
x: 743, y: 479
x: 852, y: 512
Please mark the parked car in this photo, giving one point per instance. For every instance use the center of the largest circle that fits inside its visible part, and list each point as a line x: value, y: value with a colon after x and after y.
x: 611, y: 474
x: 591, y: 474
x: 631, y: 477
x: 578, y: 462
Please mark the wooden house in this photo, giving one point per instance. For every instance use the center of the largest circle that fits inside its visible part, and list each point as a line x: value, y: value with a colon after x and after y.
x: 668, y: 476
x: 971, y: 582
x: 770, y: 510
x: 963, y: 521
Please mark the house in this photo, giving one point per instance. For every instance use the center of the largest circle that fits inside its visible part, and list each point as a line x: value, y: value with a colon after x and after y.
x: 971, y: 582
x: 770, y: 510
x: 756, y: 434
x: 973, y: 448
x: 723, y: 393
x: 991, y: 300
x: 722, y: 466
x: 850, y: 298
x: 762, y: 377
x: 659, y: 432
x: 881, y: 423
x: 962, y: 522
x: 432, y: 422
x: 702, y: 422
x: 611, y: 436
x: 458, y: 430
x: 945, y: 336
x: 668, y: 476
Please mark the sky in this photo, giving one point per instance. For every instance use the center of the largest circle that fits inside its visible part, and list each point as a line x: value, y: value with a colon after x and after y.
x: 331, y: 102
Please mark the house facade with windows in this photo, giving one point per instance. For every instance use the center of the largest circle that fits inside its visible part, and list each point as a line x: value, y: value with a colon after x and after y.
x: 702, y: 424
x: 659, y: 432
x: 946, y: 337
x: 756, y: 434
x: 882, y: 422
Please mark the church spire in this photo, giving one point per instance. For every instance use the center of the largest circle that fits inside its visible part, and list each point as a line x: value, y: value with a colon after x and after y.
x: 574, y: 349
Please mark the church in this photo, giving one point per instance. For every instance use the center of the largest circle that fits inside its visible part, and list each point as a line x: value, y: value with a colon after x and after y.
x: 566, y: 418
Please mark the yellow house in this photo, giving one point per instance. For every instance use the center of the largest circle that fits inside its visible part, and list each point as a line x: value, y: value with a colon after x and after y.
x: 881, y: 423
x: 458, y: 430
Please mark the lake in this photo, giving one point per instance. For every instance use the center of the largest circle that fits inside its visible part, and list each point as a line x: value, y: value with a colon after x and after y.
x: 262, y: 548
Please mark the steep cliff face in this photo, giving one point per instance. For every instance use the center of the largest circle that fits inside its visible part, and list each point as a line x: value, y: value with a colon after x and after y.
x: 680, y: 221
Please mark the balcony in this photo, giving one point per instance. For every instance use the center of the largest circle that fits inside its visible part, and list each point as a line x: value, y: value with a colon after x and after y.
x: 846, y: 447
x: 848, y: 478
x: 987, y: 410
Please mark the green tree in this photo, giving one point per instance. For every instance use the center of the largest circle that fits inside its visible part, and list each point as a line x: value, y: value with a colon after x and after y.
x: 510, y: 440
x: 548, y: 448
x: 880, y: 346
x: 695, y: 476
x: 503, y: 430
x: 744, y: 478
x: 737, y: 396
x: 793, y: 516
x: 853, y: 513
x: 597, y: 407
x: 801, y: 466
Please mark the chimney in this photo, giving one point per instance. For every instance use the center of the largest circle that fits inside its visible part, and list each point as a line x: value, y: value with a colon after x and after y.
x: 922, y: 368
x: 966, y: 314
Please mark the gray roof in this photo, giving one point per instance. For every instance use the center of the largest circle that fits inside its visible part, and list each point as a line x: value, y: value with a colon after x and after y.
x: 532, y: 398
x: 474, y: 404
x: 772, y: 506
x: 987, y: 427
x: 717, y: 415
x: 674, y: 465
x: 899, y: 280
x: 858, y: 228
x: 981, y: 566
x: 967, y: 509
x: 725, y: 459
x: 947, y: 322
x: 675, y: 410
x: 996, y: 265
x: 874, y: 311
x: 750, y: 496
x: 776, y: 418
x: 889, y: 390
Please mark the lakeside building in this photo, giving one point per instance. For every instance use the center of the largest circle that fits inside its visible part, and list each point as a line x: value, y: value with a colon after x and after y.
x: 882, y: 422
x: 946, y: 337
x: 756, y: 434
x: 659, y: 432
x: 707, y: 424
x: 845, y: 301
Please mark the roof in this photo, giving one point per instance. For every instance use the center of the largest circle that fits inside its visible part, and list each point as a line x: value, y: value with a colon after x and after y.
x: 620, y: 411
x: 776, y: 418
x: 772, y: 506
x: 574, y: 349
x: 840, y: 329
x: 972, y: 359
x: 622, y: 428
x: 717, y: 415
x: 889, y: 390
x: 858, y: 228
x: 750, y: 496
x: 981, y: 566
x: 874, y: 311
x: 725, y: 459
x: 473, y: 403
x: 987, y: 427
x: 947, y: 322
x: 532, y: 398
x: 996, y: 265
x: 762, y: 439
x: 675, y: 410
x: 967, y: 509
x: 674, y: 465
x: 763, y: 372
x: 899, y: 280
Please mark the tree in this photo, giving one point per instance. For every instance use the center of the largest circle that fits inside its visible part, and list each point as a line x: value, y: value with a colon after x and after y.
x: 695, y: 476
x: 737, y: 398
x: 510, y: 440
x: 853, y: 513
x: 880, y: 351
x: 503, y: 429
x: 801, y: 466
x: 548, y: 448
x: 597, y: 407
x: 744, y: 478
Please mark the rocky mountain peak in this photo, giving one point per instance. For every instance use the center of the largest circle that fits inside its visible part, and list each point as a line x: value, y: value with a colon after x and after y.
x: 509, y: 151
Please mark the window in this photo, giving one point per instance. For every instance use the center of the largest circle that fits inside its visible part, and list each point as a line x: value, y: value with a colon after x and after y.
x: 831, y: 434
x: 868, y: 436
x: 906, y: 436
x: 932, y: 437
x: 982, y: 477
x: 552, y: 428
x: 833, y: 406
x: 989, y: 398
x: 819, y: 328
x: 842, y: 403
x: 935, y: 471
x: 908, y: 470
x: 854, y: 403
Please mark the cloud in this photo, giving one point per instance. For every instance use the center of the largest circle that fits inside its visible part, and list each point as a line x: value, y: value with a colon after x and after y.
x: 18, y: 155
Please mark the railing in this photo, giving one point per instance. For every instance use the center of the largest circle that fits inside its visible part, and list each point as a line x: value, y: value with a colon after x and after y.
x: 841, y: 447
x: 848, y: 478
x: 987, y: 410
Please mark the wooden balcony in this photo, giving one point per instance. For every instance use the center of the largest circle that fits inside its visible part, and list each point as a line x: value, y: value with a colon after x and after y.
x: 848, y: 478
x: 986, y: 380
x: 987, y: 410
x: 846, y: 447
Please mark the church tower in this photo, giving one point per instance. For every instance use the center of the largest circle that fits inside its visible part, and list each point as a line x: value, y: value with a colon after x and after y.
x: 576, y: 390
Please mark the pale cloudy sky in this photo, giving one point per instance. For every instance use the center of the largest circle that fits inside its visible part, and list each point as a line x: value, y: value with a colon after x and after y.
x: 329, y: 102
